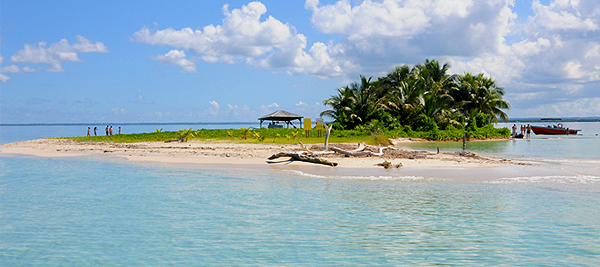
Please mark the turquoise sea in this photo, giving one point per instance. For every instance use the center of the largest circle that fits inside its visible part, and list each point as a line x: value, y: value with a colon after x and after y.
x: 110, y: 212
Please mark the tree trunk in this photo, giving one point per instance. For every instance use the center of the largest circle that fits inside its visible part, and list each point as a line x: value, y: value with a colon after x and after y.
x: 465, y: 141
x: 358, y: 153
x: 302, y: 157
x: 327, y: 132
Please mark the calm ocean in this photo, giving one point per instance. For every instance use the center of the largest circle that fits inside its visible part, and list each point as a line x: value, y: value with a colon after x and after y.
x: 110, y: 212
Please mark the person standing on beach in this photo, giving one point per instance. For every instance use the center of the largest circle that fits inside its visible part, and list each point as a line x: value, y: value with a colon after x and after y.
x: 88, y: 131
x: 528, y: 131
x: 514, y: 130
x: 95, y: 131
x: 522, y: 129
x: 110, y: 130
x: 119, y: 129
x: 106, y: 130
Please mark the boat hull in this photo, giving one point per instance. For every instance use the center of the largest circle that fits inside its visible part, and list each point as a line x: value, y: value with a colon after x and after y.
x: 552, y: 131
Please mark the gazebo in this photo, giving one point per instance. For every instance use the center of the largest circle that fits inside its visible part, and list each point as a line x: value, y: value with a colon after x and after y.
x: 281, y: 115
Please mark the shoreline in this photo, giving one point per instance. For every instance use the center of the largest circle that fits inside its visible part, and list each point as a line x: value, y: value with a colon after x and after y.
x: 415, y: 163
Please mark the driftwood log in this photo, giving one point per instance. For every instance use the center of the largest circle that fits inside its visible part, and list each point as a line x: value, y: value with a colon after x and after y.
x: 357, y: 152
x: 303, y: 157
x: 308, y: 155
x: 307, y: 150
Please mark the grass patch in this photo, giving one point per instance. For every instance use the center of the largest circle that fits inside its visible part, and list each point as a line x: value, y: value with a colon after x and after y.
x: 292, y: 136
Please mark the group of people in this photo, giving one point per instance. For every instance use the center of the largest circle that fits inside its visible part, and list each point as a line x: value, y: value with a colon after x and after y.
x: 525, y: 131
x: 109, y: 131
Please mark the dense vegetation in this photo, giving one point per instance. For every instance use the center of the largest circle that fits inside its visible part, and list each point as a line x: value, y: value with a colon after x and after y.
x: 424, y: 101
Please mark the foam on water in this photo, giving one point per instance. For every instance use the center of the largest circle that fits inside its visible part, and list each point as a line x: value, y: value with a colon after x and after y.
x: 372, y: 178
x: 579, y: 179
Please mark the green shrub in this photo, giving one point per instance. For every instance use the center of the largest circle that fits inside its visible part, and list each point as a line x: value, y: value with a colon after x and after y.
x: 425, y: 123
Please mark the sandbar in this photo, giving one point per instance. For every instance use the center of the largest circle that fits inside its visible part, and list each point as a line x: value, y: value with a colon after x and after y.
x: 215, y: 154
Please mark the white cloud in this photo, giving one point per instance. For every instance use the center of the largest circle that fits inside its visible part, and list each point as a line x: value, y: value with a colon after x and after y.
x: 242, y: 35
x: 562, y: 15
x: 573, y: 70
x: 15, y: 69
x: 530, y: 48
x: 214, y: 108
x: 552, y: 53
x: 57, y: 53
x: 10, y: 68
x: 119, y: 111
x: 268, y: 108
x: 245, y: 38
x: 237, y: 111
x: 177, y: 58
x: 4, y: 78
x: 450, y: 7
x: 29, y: 69
x: 385, y: 18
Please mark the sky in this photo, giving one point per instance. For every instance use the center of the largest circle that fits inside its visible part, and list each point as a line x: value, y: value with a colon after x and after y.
x: 234, y: 61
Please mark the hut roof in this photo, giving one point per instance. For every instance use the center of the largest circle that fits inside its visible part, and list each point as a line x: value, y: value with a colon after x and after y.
x: 281, y: 115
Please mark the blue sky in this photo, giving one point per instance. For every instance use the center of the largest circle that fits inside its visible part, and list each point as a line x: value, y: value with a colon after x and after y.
x: 233, y: 61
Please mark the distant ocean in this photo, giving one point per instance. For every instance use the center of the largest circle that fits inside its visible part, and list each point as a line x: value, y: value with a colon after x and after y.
x: 91, y: 211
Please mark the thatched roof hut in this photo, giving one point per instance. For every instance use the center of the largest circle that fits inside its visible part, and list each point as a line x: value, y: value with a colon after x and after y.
x: 281, y: 116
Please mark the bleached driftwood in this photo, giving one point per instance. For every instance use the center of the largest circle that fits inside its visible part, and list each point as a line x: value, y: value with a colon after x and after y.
x: 327, y: 133
x: 307, y: 150
x: 361, y: 147
x: 303, y: 157
x: 358, y: 153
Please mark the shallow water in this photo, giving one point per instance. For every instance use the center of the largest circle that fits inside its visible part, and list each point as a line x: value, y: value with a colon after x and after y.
x: 583, y: 146
x: 94, y: 212
x: 91, y: 211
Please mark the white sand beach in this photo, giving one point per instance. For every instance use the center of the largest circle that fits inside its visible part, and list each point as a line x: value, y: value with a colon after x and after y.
x: 234, y: 155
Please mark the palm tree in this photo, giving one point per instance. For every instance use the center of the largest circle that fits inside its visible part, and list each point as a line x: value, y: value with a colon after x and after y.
x: 434, y: 77
x: 477, y: 94
x: 340, y: 106
x: 481, y: 94
x: 402, y: 99
x: 185, y: 134
x: 353, y: 105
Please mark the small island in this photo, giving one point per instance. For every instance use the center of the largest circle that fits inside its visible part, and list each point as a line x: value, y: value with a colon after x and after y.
x: 367, y: 120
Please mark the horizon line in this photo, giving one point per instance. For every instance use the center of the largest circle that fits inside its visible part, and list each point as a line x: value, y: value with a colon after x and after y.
x: 527, y: 119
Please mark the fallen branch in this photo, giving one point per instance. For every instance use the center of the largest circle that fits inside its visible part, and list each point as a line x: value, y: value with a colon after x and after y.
x: 361, y: 147
x: 307, y: 150
x: 303, y: 157
x: 358, y: 153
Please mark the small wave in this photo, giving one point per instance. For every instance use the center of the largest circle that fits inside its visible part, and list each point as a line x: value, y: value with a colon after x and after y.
x: 579, y: 179
x: 390, y: 178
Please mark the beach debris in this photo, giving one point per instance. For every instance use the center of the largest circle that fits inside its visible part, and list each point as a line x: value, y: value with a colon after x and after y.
x: 308, y: 155
x: 360, y: 151
x: 307, y: 150
x: 175, y: 140
x: 467, y: 154
x: 387, y: 165
x: 303, y: 157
